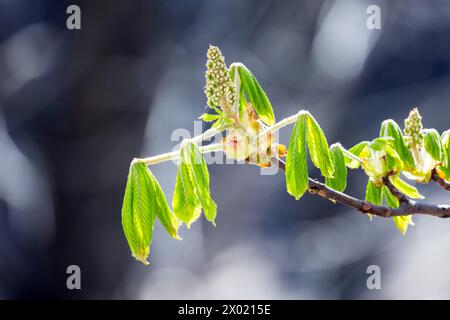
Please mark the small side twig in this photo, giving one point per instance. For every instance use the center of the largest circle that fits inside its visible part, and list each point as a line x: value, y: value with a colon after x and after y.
x: 441, y: 182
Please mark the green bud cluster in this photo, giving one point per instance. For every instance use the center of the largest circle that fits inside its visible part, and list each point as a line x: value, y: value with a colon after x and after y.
x: 218, y: 81
x: 413, y: 128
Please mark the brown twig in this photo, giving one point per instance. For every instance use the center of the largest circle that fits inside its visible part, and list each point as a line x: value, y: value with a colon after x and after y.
x: 365, y: 207
x: 441, y: 182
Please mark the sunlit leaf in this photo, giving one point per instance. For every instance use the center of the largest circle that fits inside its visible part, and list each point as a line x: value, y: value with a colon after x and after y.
x: 361, y: 150
x: 389, y: 128
x: 296, y: 164
x: 192, y: 187
x: 373, y: 195
x: 207, y: 117
x: 379, y: 144
x: 162, y: 210
x: 138, y: 211
x: 393, y: 160
x: 185, y: 202
x: 401, y: 222
x: 445, y: 169
x: 405, y: 188
x: 390, y: 199
x: 254, y: 93
x: 433, y: 145
x: 200, y: 177
x: 339, y: 180
x: 318, y: 147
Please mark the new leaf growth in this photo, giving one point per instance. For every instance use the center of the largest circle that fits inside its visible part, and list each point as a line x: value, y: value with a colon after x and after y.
x: 392, y: 162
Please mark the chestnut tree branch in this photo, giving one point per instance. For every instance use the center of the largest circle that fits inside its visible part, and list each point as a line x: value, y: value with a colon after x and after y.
x: 365, y: 207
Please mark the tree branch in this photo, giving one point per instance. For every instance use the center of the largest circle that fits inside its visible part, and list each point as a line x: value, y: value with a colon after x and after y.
x: 365, y: 207
x: 441, y: 182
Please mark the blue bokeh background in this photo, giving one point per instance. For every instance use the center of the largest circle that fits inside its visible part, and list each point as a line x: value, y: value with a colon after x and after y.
x: 77, y: 106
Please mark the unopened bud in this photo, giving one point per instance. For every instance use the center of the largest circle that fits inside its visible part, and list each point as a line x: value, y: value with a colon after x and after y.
x: 413, y: 128
x: 219, y: 85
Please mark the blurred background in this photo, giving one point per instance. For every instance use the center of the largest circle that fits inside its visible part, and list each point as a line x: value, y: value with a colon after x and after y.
x: 77, y: 105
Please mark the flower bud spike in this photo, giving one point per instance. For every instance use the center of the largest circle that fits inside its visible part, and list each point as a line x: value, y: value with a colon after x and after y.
x: 413, y: 129
x: 219, y: 87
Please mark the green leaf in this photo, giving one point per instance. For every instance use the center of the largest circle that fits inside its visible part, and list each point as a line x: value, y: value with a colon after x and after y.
x: 138, y: 214
x: 168, y: 220
x: 296, y: 164
x: 393, y: 161
x: 446, y: 142
x: 360, y: 150
x: 401, y: 222
x: 405, y: 188
x: 379, y: 144
x: 373, y: 193
x: 390, y: 199
x: 242, y: 105
x: 318, y: 147
x: 339, y: 180
x: 446, y: 172
x: 200, y: 176
x: 433, y: 145
x: 223, y: 122
x: 185, y: 201
x: 389, y: 128
x: 207, y: 117
x: 446, y: 145
x: 192, y: 187
x: 254, y: 93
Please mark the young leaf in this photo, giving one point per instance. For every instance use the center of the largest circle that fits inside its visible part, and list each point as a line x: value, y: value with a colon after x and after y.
x: 318, y: 147
x: 192, y: 187
x: 406, y: 188
x: 200, y: 176
x: 401, y: 222
x: 373, y: 195
x: 390, y: 199
x: 446, y: 142
x: 185, y: 202
x: 168, y: 220
x: 339, y: 180
x: 241, y: 102
x: 254, y: 93
x: 445, y: 172
x: 296, y: 164
x: 445, y: 169
x: 433, y: 145
x: 138, y: 215
x: 379, y: 144
x: 361, y: 150
x: 393, y: 161
x: 207, y: 117
x: 389, y: 128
